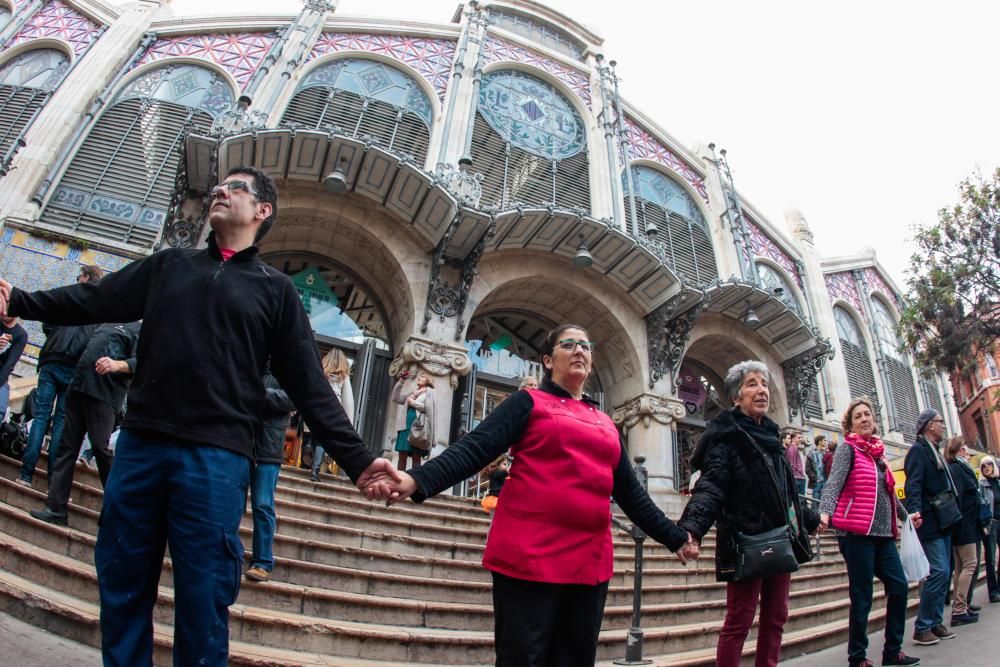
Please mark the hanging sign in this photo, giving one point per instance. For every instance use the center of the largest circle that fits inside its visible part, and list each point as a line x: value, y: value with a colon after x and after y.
x: 316, y: 295
x: 691, y: 390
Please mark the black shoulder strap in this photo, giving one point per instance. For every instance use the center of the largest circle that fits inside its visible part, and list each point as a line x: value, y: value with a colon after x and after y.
x: 780, y: 488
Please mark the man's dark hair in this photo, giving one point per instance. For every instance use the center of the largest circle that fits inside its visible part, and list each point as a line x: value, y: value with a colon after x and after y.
x: 93, y: 273
x: 266, y: 192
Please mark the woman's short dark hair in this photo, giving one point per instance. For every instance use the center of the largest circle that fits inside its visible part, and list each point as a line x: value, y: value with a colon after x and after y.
x: 549, y: 345
x: 266, y: 191
x: 93, y: 273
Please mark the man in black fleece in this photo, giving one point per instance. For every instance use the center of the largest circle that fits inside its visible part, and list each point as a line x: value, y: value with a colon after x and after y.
x: 211, y: 318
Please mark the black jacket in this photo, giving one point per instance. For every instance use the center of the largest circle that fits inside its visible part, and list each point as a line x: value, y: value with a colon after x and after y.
x: 924, y: 480
x: 117, y: 341
x: 9, y: 357
x: 270, y: 446
x: 209, y: 327
x: 736, y: 492
x: 64, y: 345
x: 967, y: 530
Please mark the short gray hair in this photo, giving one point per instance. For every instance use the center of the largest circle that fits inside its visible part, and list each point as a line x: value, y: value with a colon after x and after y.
x: 739, y: 372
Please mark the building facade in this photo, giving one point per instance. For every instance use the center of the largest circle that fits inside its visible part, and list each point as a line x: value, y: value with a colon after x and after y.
x: 448, y: 192
x: 975, y: 392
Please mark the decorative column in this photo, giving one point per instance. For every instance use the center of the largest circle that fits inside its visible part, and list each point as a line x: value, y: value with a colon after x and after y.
x: 446, y: 364
x: 648, y: 423
x: 734, y: 216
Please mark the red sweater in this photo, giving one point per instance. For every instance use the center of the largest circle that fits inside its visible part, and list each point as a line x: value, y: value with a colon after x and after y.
x: 555, y: 507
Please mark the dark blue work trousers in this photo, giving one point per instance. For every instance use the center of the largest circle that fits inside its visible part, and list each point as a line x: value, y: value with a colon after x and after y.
x: 188, y: 496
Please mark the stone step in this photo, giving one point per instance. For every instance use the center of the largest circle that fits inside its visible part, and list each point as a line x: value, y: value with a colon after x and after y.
x: 350, y: 528
x: 79, y: 579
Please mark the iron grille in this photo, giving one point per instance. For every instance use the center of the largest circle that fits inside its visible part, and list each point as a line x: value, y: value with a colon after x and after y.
x: 18, y: 107
x: 904, y: 396
x: 933, y: 393
x: 120, y: 183
x: 397, y: 129
x: 512, y: 176
x: 859, y: 371
x: 689, y: 251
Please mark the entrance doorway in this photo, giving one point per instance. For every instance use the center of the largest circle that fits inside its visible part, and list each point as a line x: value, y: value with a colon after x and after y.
x: 701, y: 390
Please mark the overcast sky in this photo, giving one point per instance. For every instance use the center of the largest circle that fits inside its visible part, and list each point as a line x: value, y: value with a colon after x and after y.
x: 864, y: 115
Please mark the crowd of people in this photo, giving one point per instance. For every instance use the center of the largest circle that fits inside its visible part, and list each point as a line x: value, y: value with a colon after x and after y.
x: 205, y: 424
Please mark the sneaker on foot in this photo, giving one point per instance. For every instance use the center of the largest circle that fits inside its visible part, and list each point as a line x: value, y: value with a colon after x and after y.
x: 964, y: 619
x: 926, y: 637
x: 942, y: 632
x: 49, y: 516
x: 256, y: 573
x: 900, y: 659
x: 860, y: 663
x: 23, y: 482
x: 995, y: 597
x: 975, y: 608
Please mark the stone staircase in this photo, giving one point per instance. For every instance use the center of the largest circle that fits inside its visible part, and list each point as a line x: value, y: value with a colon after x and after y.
x: 356, y: 583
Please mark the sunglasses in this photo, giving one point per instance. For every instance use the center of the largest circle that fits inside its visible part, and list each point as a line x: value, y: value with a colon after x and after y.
x: 232, y: 186
x: 569, y: 345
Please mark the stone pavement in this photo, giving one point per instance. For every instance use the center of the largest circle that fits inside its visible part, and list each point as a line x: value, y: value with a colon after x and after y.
x: 975, y: 644
x: 26, y: 645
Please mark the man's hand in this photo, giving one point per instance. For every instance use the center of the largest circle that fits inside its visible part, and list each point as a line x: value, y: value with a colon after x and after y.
x: 5, y: 288
x: 378, y: 480
x: 5, y: 340
x: 916, y: 519
x: 106, y: 365
x: 690, y: 550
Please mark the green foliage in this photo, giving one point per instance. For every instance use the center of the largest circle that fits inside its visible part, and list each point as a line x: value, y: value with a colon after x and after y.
x: 953, y: 306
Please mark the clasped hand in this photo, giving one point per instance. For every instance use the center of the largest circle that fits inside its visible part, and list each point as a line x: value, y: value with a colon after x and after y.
x: 382, y: 481
x: 690, y: 550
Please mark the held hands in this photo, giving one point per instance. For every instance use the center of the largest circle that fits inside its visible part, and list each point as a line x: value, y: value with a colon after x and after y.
x: 824, y: 523
x: 690, y: 550
x: 378, y: 480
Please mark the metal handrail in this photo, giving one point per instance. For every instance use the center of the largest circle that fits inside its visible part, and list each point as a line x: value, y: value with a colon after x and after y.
x: 812, y: 502
x: 633, y: 645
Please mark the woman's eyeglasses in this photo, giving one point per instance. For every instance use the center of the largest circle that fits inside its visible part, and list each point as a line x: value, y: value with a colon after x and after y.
x: 569, y: 345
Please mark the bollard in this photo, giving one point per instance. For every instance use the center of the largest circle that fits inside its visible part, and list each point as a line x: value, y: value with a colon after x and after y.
x: 633, y: 644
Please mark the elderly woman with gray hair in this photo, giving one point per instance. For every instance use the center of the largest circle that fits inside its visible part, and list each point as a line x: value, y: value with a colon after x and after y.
x: 747, y: 488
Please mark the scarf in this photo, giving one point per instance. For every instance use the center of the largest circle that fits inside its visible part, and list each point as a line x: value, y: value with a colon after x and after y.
x: 765, y: 433
x: 873, y: 447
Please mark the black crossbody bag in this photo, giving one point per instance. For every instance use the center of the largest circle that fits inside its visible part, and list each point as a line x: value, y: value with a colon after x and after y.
x: 945, y: 504
x: 771, y: 552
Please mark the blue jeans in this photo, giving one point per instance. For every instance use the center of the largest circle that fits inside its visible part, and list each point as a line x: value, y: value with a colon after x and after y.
x: 191, y: 497
x: 818, y: 491
x: 4, y: 398
x: 263, y: 481
x: 800, y: 486
x: 868, y: 557
x: 53, y: 381
x: 932, y: 591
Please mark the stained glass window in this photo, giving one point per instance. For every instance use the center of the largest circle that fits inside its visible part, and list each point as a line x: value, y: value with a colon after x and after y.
x: 857, y: 362
x: 531, y: 115
x: 885, y: 330
x: 536, y: 31
x: 120, y: 184
x: 5, y: 17
x: 847, y: 328
x: 38, y: 68
x: 771, y: 281
x: 26, y: 82
x: 654, y: 187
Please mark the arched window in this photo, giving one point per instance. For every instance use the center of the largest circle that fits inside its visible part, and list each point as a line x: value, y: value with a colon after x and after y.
x: 530, y: 144
x: 5, y: 17
x: 681, y: 231
x: 26, y: 82
x: 538, y: 32
x: 860, y: 378
x: 772, y: 281
x: 904, y: 395
x: 121, y: 181
x: 365, y: 98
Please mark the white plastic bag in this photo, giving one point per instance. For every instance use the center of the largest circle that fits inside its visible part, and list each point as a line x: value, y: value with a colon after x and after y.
x: 911, y: 552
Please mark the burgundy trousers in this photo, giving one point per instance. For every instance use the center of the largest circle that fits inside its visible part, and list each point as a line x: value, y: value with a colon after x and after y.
x: 741, y: 605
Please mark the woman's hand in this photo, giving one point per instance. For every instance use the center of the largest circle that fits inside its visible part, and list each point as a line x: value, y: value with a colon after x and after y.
x: 824, y: 522
x: 916, y: 519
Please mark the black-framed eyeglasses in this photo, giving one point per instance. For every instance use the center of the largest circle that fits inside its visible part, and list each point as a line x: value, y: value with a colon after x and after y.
x: 569, y: 345
x: 233, y: 185
x: 937, y: 421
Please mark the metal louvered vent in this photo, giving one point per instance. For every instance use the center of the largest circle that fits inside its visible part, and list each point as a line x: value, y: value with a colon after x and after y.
x: 688, y: 250
x: 859, y: 371
x: 904, y: 397
x: 120, y: 183
x: 513, y: 176
x: 397, y: 129
x: 933, y: 393
x: 18, y: 107
x: 813, y: 409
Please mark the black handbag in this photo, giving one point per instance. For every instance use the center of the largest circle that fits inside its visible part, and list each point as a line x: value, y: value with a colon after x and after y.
x: 945, y: 504
x: 764, y: 554
x: 770, y: 552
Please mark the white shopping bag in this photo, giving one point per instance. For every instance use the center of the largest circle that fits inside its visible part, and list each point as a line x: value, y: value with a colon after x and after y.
x: 911, y: 552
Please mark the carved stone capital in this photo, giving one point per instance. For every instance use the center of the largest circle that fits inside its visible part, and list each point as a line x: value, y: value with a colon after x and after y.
x: 800, y: 373
x: 647, y: 408
x: 436, y: 359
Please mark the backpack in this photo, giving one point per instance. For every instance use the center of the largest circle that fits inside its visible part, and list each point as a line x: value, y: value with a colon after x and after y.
x: 13, y: 440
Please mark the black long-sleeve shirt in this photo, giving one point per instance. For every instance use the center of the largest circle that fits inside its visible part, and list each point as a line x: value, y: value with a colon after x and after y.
x: 9, y: 357
x: 501, y: 429
x: 208, y: 329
